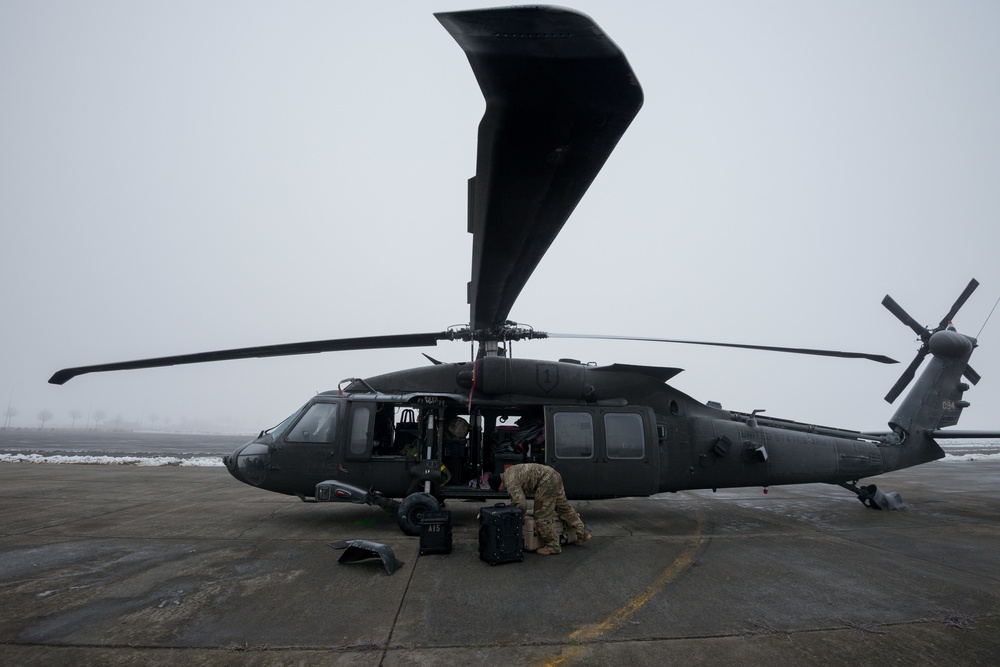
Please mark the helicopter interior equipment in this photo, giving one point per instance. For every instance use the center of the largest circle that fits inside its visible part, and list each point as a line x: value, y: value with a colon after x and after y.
x: 559, y: 96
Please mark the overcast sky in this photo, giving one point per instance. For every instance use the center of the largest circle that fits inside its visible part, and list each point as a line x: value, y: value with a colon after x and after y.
x: 186, y: 176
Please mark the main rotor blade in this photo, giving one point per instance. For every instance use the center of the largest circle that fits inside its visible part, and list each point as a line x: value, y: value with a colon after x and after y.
x: 769, y: 348
x: 904, y: 317
x: 559, y: 95
x: 906, y: 377
x: 284, y: 350
x: 962, y: 298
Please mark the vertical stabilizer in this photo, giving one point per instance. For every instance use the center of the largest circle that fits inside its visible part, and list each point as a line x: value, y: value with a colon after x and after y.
x: 935, y: 401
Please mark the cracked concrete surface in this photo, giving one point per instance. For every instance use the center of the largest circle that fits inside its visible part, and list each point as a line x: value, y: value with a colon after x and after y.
x: 145, y: 566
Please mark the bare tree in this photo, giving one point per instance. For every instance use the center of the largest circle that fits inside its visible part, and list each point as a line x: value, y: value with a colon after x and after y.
x: 9, y: 414
x: 99, y: 416
x: 75, y: 414
x: 44, y: 416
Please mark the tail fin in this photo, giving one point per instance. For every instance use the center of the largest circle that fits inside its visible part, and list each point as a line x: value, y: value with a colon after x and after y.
x: 936, y: 398
x: 935, y: 401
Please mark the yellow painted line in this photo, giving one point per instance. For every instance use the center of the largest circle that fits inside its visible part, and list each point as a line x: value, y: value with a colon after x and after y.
x: 589, y: 633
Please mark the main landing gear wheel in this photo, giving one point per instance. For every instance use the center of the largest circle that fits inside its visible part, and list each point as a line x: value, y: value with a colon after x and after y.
x: 412, y: 509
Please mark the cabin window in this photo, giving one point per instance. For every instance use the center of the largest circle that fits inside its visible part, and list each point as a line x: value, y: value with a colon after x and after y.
x: 574, y: 435
x: 318, y: 424
x: 359, y: 429
x: 625, y: 435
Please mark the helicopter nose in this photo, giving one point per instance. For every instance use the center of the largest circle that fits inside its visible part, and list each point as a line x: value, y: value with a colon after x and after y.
x: 248, y: 463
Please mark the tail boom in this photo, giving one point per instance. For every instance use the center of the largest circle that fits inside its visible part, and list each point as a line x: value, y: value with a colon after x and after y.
x: 934, y: 402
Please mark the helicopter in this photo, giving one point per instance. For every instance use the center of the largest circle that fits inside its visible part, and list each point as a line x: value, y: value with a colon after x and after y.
x: 559, y: 96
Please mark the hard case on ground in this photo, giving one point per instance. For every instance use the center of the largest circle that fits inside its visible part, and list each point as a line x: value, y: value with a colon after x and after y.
x: 531, y: 540
x: 500, y: 536
x: 435, y: 533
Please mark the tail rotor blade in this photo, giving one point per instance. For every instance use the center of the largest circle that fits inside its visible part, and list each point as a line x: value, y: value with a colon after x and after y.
x: 904, y: 317
x: 963, y: 297
x: 905, y: 378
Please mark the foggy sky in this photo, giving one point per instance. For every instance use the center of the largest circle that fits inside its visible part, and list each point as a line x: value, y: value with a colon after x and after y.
x: 186, y: 176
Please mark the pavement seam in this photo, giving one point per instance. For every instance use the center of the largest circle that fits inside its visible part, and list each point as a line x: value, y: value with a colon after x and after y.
x: 594, y: 632
x: 368, y: 648
x: 78, y: 519
x: 399, y: 610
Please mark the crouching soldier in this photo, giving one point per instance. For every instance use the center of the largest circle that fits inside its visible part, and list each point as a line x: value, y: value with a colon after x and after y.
x: 551, y: 507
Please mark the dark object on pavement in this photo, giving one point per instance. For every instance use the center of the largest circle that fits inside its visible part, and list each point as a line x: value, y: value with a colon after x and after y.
x: 500, y: 534
x: 358, y: 550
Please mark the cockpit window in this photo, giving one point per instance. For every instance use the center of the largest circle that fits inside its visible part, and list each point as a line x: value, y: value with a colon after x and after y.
x: 318, y: 424
x: 276, y: 431
x: 359, y: 430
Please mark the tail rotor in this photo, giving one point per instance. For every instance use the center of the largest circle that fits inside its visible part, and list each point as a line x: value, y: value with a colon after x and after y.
x: 925, y: 334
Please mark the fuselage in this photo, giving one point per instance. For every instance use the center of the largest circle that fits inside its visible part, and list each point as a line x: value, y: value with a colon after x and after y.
x: 611, y: 431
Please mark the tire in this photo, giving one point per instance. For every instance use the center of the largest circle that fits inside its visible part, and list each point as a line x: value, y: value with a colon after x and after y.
x: 412, y: 510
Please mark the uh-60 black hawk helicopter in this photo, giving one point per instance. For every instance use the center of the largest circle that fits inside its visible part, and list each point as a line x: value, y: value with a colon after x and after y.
x: 559, y: 95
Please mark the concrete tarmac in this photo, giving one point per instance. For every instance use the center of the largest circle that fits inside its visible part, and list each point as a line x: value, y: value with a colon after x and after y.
x: 122, y: 565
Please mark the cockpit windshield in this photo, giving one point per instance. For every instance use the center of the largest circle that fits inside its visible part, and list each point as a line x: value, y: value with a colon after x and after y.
x: 276, y: 431
x: 318, y: 424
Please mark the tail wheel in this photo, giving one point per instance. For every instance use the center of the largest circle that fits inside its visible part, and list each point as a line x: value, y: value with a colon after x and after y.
x: 412, y: 510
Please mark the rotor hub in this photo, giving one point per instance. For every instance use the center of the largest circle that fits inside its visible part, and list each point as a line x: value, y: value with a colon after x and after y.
x: 950, y: 344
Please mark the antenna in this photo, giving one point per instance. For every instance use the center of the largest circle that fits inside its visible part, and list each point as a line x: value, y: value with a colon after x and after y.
x: 988, y: 318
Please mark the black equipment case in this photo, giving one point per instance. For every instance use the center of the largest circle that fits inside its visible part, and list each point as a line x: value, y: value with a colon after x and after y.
x: 435, y: 533
x: 500, y: 534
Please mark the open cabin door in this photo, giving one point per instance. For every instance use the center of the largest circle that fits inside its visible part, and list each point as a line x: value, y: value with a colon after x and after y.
x: 602, y: 452
x: 383, y: 443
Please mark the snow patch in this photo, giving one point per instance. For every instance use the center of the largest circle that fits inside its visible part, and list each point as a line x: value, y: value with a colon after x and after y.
x: 200, y: 461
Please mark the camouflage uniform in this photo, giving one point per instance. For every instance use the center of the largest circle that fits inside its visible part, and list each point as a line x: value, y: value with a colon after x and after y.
x: 551, y: 509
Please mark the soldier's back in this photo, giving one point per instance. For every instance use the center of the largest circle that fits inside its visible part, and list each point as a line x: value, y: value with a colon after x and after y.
x: 526, y: 475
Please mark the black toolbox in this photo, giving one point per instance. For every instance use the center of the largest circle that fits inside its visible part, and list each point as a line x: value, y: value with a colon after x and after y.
x: 500, y: 534
x: 435, y: 533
